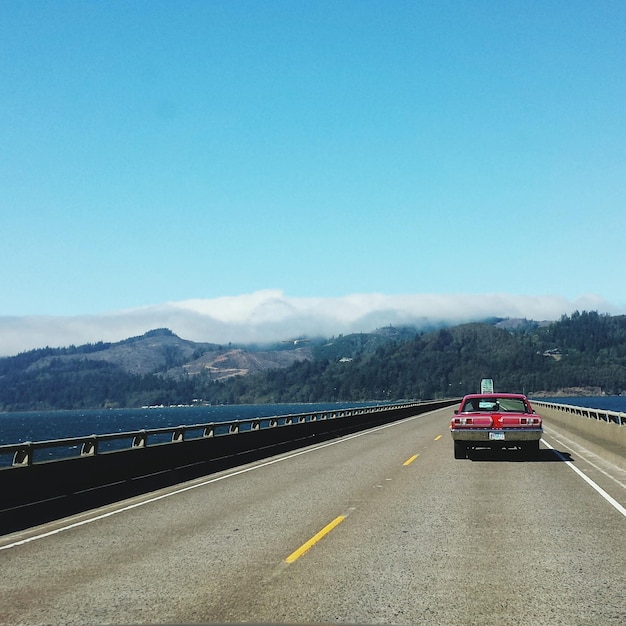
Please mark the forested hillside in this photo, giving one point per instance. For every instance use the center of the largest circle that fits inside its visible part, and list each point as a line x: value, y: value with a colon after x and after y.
x: 582, y: 350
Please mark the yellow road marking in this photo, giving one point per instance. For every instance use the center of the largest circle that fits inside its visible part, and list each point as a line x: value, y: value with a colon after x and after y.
x: 409, y: 461
x: 311, y: 542
x: 438, y: 437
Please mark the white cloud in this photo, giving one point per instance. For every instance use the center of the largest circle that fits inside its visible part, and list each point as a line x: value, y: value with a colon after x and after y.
x: 266, y: 316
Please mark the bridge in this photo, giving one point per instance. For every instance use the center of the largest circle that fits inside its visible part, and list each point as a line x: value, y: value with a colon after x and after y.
x: 373, y: 526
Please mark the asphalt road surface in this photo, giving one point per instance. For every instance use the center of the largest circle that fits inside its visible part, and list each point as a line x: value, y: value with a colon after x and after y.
x: 381, y: 527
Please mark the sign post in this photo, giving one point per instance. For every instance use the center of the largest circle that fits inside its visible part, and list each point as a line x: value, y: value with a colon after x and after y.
x: 486, y: 385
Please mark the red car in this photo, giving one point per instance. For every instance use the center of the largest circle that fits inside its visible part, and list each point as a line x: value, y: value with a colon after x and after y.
x: 495, y: 420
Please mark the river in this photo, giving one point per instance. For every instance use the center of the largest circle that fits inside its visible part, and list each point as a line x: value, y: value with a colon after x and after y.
x: 49, y: 425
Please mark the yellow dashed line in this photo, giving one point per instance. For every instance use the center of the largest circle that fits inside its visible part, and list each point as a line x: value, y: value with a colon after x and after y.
x: 438, y: 437
x: 409, y: 461
x: 311, y: 542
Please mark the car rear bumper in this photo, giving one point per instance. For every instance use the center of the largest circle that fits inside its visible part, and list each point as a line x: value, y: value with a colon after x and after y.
x: 495, y: 436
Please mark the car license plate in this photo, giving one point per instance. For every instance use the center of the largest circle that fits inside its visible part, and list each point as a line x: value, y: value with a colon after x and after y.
x: 496, y: 436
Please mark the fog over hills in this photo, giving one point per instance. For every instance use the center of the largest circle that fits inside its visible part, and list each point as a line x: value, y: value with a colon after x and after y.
x: 586, y: 349
x: 269, y: 316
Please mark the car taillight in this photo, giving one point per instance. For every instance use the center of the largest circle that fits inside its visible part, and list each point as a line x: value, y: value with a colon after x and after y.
x: 520, y: 421
x: 530, y: 421
x: 483, y: 421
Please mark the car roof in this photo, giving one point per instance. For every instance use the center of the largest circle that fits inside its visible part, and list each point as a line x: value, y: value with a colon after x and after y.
x: 520, y: 396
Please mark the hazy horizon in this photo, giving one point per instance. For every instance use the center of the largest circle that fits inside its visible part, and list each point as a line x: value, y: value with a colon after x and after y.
x: 269, y: 316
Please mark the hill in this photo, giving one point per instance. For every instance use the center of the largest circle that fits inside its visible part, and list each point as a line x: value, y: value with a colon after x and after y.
x: 133, y: 372
x: 584, y: 350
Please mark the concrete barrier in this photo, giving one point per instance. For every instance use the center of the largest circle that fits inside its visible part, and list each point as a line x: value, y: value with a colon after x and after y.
x: 605, y: 429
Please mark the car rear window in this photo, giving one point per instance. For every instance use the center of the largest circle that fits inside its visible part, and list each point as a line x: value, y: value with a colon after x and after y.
x: 489, y: 405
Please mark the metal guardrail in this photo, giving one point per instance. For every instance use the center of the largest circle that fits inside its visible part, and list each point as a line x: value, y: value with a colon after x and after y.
x: 45, y: 480
x: 601, y: 415
x: 30, y: 453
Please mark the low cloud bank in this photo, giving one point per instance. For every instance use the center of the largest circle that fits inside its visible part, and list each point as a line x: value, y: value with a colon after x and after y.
x: 267, y: 316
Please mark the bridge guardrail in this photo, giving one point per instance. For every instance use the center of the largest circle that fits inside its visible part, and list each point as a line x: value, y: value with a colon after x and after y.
x: 597, y: 414
x: 29, y: 453
x: 97, y: 469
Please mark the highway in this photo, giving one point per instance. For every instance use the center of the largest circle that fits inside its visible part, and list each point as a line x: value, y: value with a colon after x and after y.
x: 379, y: 527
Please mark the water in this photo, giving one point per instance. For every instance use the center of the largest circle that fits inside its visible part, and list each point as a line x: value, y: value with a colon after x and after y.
x: 605, y: 403
x: 49, y: 425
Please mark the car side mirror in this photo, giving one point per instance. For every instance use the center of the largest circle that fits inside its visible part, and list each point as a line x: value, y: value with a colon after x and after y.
x: 456, y: 411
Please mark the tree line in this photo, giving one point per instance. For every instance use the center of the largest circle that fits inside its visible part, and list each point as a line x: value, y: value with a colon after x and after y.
x: 585, y: 349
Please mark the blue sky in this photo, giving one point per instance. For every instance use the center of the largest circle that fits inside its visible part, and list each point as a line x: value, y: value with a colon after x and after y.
x: 161, y: 152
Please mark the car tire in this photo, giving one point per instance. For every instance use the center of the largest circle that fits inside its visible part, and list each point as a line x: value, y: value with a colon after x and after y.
x: 460, y: 450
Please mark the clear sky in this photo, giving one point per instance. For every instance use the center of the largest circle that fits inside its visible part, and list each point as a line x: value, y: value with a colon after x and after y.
x: 158, y: 151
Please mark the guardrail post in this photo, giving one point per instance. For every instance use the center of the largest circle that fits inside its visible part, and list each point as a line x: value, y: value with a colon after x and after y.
x: 234, y: 428
x: 209, y: 430
x: 24, y: 455
x: 178, y: 434
x: 90, y: 446
x: 140, y: 440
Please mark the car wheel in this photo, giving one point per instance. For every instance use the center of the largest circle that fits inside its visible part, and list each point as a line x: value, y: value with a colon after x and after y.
x: 460, y: 451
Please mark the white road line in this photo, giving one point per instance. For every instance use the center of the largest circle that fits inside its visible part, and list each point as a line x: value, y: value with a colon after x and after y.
x: 612, y: 501
x: 587, y: 455
x: 203, y: 483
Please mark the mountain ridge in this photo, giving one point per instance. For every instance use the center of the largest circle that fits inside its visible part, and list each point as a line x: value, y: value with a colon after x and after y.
x: 160, y: 351
x: 586, y: 350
